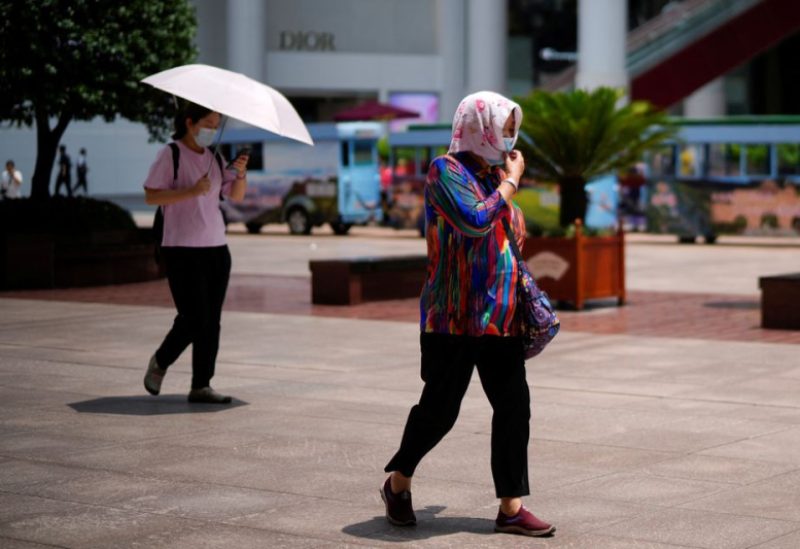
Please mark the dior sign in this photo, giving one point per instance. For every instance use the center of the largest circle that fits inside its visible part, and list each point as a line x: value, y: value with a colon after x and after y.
x: 307, y: 41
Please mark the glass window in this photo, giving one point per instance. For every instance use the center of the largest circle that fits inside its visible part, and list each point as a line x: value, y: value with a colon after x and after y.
x: 691, y: 161
x: 757, y: 159
x: 362, y: 153
x: 662, y: 162
x: 724, y: 160
x: 345, y: 153
x: 789, y: 159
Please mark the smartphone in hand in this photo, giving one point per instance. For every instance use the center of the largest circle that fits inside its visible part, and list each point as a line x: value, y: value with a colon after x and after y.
x: 244, y: 151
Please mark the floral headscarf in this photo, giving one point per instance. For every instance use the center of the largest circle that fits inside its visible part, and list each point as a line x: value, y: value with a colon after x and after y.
x: 478, y: 124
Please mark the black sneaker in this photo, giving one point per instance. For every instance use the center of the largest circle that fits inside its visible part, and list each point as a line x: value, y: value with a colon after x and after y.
x: 398, y: 506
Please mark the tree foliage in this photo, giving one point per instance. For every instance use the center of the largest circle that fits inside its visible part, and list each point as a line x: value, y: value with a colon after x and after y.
x: 64, y: 60
x: 579, y: 135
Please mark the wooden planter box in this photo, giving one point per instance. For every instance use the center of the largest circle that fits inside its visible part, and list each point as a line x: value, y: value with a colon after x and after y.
x: 580, y: 268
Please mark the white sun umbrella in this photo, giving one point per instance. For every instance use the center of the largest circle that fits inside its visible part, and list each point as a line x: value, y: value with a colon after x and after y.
x: 234, y: 95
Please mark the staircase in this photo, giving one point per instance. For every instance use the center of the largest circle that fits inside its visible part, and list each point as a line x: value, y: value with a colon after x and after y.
x: 679, y: 51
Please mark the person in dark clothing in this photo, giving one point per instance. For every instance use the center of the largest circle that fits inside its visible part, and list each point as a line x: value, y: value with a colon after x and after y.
x: 81, y: 168
x: 64, y: 171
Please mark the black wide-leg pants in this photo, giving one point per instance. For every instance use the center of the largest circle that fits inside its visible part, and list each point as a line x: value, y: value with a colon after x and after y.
x: 198, y: 280
x: 447, y: 364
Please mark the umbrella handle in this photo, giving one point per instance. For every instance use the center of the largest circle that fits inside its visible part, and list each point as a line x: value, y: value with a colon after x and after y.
x: 216, y: 146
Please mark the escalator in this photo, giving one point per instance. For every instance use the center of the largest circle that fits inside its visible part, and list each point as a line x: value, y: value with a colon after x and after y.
x: 680, y: 50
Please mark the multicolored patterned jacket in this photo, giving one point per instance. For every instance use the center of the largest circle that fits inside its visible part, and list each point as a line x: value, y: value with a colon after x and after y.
x: 471, y: 284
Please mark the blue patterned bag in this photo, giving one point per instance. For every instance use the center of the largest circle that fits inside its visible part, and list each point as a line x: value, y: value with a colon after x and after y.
x: 539, y: 321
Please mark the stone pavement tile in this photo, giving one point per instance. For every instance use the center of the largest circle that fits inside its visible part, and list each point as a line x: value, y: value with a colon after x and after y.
x: 574, y: 515
x: 641, y: 387
x: 192, y: 535
x: 207, y: 501
x: 777, y: 497
x: 638, y: 488
x: 789, y: 541
x: 16, y: 474
x: 8, y: 543
x: 596, y: 541
x: 690, y: 434
x: 717, y: 469
x: 769, y: 390
x: 780, y: 447
x: 135, y: 457
x: 607, y: 459
x: 541, y: 393
x: 65, y: 524
x: 569, y: 423
x: 45, y: 446
x: 329, y: 520
x: 700, y: 529
x: 111, y: 428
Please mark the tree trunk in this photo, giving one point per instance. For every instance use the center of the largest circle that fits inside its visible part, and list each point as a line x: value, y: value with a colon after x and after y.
x: 574, y: 200
x: 47, y: 141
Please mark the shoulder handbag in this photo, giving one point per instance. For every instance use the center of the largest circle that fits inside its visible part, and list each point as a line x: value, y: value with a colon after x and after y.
x: 539, y: 321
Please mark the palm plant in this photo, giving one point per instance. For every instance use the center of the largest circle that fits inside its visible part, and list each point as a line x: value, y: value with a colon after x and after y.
x: 573, y: 137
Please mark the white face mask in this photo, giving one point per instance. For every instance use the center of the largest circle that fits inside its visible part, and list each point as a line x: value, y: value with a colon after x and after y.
x: 205, y: 136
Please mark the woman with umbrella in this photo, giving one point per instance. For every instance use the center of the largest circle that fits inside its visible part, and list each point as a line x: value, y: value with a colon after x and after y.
x: 187, y: 183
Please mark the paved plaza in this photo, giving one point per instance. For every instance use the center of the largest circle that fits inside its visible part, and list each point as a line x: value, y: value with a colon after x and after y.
x: 672, y: 422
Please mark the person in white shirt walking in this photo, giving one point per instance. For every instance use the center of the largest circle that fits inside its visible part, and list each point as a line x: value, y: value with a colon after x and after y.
x: 11, y: 184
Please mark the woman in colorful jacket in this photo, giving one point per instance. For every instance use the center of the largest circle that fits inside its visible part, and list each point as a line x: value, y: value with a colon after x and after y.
x: 468, y: 309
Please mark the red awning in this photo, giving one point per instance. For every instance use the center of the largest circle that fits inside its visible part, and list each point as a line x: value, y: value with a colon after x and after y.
x: 372, y: 110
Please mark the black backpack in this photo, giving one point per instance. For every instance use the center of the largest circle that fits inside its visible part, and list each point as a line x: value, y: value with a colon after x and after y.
x: 158, y: 219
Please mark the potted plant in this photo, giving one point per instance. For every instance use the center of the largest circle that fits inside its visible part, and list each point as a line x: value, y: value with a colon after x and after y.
x: 571, y: 138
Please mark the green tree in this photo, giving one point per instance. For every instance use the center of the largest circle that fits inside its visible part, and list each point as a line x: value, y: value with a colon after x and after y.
x: 65, y: 60
x: 579, y: 135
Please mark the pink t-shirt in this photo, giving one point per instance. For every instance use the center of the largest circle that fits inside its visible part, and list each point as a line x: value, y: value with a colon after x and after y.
x: 194, y: 222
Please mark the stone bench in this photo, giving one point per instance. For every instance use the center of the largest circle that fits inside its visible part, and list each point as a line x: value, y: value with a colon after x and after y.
x: 780, y: 301
x: 350, y: 281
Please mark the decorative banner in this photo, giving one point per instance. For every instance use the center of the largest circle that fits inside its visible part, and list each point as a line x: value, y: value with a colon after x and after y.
x: 548, y: 264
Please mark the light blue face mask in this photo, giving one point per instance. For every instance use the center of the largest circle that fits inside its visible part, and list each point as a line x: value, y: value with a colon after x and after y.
x: 205, y: 136
x: 508, y: 142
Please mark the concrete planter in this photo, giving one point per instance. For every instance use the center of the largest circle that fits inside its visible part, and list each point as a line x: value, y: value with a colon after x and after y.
x: 63, y: 261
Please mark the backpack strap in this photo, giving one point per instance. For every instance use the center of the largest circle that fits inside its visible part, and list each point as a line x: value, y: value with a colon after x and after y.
x: 176, y: 160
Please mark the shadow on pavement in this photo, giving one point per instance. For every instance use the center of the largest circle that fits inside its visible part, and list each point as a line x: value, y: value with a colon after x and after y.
x: 145, y: 405
x: 428, y: 526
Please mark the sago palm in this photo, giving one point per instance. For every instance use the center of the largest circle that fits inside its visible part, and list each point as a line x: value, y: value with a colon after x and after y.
x: 573, y: 137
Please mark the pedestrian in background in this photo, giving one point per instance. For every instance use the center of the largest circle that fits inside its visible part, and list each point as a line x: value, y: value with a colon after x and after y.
x: 193, y: 246
x: 11, y: 183
x: 468, y: 310
x: 64, y: 171
x: 81, y: 168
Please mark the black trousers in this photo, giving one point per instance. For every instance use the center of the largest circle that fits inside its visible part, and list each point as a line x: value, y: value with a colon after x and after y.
x: 198, y: 280
x: 447, y: 364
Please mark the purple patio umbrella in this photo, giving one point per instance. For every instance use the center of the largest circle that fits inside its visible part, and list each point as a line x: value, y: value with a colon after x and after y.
x: 372, y: 110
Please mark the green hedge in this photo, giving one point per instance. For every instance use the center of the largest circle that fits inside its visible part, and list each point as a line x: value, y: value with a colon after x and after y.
x: 61, y: 215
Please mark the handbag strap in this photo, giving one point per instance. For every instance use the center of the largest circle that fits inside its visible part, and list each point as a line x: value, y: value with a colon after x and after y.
x: 512, y: 239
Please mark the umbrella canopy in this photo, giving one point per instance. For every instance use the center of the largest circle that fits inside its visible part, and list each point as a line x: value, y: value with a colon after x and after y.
x: 372, y: 110
x: 234, y: 95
